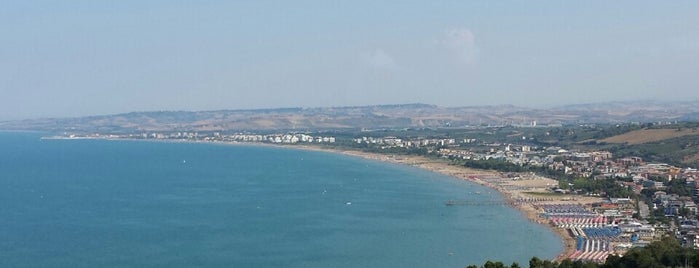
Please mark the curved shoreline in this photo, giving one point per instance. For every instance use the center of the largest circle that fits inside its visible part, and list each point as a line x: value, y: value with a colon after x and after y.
x: 478, y: 176
x: 514, y: 198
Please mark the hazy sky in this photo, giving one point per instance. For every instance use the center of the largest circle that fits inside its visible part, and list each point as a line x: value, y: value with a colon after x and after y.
x: 70, y: 58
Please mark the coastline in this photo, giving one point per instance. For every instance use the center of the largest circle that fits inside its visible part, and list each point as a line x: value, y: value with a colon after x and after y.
x: 512, y: 191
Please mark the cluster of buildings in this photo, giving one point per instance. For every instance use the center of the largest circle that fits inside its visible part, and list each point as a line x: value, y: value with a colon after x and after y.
x: 284, y: 138
x: 581, y: 163
x: 392, y: 142
x: 592, y: 164
x: 279, y: 138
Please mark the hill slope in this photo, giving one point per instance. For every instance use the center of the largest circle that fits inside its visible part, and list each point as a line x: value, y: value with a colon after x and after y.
x: 369, y: 117
x: 649, y: 135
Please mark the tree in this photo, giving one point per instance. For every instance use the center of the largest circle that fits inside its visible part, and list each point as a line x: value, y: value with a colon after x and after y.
x: 664, y: 253
x: 567, y: 263
x: 549, y: 264
x: 490, y: 264
x: 536, y: 263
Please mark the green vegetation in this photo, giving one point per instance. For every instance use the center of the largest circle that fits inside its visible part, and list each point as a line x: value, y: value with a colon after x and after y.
x: 679, y: 187
x: 664, y: 253
x: 603, y: 187
x: 542, y: 194
x: 504, y: 166
x: 607, y: 132
x: 682, y: 151
x: 494, y: 164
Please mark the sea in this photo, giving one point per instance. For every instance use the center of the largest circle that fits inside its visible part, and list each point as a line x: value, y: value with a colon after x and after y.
x: 101, y: 203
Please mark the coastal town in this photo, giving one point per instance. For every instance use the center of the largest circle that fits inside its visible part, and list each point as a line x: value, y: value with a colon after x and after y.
x: 343, y: 134
x: 600, y: 204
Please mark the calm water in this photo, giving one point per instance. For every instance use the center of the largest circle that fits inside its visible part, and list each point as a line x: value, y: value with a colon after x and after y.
x: 90, y: 203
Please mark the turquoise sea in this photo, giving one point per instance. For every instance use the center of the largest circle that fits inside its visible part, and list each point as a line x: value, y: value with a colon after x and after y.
x: 97, y: 203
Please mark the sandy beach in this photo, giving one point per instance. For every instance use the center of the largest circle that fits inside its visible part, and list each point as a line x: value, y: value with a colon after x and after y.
x: 523, y: 191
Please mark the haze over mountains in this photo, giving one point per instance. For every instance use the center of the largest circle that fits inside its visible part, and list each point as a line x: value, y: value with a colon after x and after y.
x: 366, y: 117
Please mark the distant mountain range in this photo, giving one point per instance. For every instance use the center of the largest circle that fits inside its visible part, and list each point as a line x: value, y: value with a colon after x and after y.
x: 366, y: 117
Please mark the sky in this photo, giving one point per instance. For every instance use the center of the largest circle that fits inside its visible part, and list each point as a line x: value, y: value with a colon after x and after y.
x: 78, y: 58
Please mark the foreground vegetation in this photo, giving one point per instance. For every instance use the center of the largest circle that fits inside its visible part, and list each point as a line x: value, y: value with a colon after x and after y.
x: 666, y: 252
